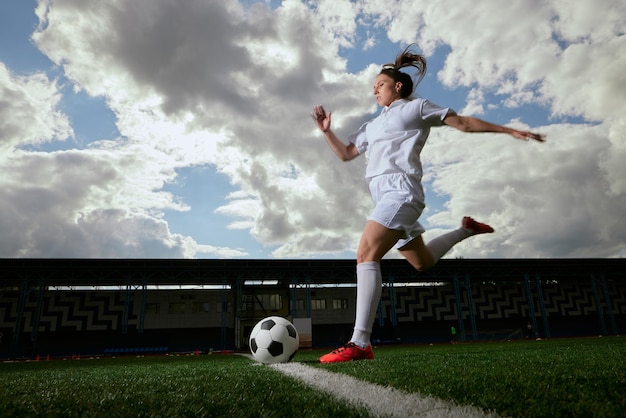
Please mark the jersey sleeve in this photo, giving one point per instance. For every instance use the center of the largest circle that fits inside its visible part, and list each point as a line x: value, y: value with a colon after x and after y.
x: 359, y: 139
x: 434, y: 114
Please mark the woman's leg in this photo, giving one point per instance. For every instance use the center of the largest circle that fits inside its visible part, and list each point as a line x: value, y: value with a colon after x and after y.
x: 418, y: 254
x: 375, y: 242
x: 423, y: 257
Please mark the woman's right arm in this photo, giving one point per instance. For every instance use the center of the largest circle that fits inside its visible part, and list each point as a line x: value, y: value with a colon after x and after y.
x: 343, y: 151
x: 322, y: 120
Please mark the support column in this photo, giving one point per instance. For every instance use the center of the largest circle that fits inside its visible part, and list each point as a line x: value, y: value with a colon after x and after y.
x: 238, y: 294
x: 597, y: 299
x: 392, y: 302
x: 224, y: 302
x: 126, y: 312
x: 19, y: 318
x: 142, y: 307
x: 531, y: 302
x: 470, y: 306
x: 609, y: 304
x: 294, y: 298
x: 37, y: 317
x: 459, y: 307
x: 542, y: 306
x: 307, y: 298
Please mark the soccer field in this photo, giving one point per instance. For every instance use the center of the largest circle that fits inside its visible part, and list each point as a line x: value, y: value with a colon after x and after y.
x: 561, y: 377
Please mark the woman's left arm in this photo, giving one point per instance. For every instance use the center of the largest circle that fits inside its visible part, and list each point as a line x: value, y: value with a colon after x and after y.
x: 471, y: 124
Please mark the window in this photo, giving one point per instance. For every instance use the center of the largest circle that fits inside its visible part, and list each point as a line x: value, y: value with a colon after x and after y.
x: 340, y: 303
x: 274, y: 302
x: 263, y: 301
x: 199, y: 307
x: 318, y: 304
x: 176, y: 308
x: 299, y: 303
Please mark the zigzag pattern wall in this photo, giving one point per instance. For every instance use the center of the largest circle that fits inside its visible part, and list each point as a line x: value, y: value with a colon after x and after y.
x: 68, y: 311
x: 104, y: 310
x: 498, y: 301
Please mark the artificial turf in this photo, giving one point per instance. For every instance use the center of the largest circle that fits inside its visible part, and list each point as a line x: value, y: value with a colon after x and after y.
x: 546, y: 378
x: 549, y: 378
x: 173, y: 386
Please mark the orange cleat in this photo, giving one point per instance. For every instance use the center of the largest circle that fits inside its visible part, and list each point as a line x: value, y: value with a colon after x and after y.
x: 348, y: 352
x: 476, y: 227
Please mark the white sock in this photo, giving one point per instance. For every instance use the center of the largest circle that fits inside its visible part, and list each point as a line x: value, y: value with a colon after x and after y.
x: 369, y: 285
x: 442, y: 244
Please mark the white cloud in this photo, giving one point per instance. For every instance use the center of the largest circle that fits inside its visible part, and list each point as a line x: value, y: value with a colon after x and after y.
x: 220, y: 252
x: 339, y: 19
x: 474, y: 105
x: 216, y: 83
x: 21, y: 98
x: 557, y: 200
x: 544, y: 201
x: 71, y: 204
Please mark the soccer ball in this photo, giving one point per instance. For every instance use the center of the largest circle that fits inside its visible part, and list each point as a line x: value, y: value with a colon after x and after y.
x: 274, y: 340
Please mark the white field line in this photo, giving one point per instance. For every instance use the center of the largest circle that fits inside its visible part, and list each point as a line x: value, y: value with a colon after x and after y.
x: 380, y: 401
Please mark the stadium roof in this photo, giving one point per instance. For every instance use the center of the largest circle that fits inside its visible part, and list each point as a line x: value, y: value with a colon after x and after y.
x: 111, y: 272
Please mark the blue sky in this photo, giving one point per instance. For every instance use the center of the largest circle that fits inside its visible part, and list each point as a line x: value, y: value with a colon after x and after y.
x: 181, y: 129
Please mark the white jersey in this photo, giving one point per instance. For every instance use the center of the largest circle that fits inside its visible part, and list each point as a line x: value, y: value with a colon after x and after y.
x: 395, y: 138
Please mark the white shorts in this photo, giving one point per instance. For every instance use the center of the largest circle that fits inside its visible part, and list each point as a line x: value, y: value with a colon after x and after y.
x: 399, y: 200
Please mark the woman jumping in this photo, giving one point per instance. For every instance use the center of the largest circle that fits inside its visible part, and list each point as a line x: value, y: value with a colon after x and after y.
x: 394, y: 140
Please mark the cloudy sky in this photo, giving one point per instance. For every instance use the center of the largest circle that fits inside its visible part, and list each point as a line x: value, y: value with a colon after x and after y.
x: 163, y: 128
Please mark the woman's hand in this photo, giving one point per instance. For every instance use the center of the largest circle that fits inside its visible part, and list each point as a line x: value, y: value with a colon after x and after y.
x: 525, y: 135
x: 321, y: 118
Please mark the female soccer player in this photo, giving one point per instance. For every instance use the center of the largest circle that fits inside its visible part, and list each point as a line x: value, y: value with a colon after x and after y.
x: 394, y: 140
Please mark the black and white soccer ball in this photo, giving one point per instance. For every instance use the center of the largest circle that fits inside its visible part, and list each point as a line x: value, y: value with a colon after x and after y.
x: 274, y: 340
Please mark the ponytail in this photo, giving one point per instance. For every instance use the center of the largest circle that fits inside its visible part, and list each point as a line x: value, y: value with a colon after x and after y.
x: 406, y: 59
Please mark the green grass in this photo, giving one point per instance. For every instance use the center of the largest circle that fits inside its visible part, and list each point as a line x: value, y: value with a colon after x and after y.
x: 569, y: 377
x: 549, y: 378
x: 216, y: 385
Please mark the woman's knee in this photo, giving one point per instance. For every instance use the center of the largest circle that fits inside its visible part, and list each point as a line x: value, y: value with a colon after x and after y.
x: 375, y: 242
x: 418, y: 255
x: 423, y: 265
x: 364, y: 257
